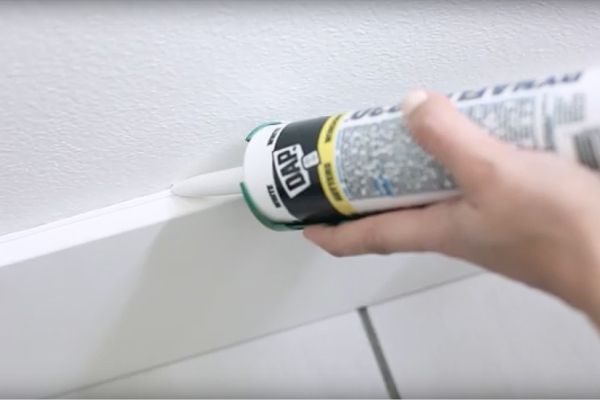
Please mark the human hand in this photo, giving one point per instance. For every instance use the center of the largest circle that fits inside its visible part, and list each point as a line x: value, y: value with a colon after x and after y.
x: 529, y: 215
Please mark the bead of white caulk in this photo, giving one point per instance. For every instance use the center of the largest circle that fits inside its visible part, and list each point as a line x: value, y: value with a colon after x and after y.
x: 216, y: 183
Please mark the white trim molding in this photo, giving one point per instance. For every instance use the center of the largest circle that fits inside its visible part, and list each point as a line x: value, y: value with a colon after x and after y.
x: 159, y: 278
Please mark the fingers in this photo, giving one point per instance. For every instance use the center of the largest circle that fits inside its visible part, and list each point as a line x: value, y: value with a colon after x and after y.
x: 406, y: 230
x: 468, y: 151
x: 465, y: 148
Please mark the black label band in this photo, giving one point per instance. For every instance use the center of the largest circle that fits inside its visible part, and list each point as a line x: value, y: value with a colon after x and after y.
x: 295, y: 161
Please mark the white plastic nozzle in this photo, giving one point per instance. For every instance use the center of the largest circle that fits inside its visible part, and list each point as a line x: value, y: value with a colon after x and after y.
x: 216, y: 183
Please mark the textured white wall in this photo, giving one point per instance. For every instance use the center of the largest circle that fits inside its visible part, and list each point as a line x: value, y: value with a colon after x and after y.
x: 101, y: 102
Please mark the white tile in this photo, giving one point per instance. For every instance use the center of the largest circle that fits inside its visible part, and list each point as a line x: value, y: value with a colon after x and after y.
x: 330, y: 358
x: 485, y: 336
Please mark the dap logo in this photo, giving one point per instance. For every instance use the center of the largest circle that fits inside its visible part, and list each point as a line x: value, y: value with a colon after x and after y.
x: 290, y: 166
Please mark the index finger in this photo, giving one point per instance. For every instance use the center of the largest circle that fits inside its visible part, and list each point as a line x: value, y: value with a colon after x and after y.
x: 418, y: 229
x: 465, y: 148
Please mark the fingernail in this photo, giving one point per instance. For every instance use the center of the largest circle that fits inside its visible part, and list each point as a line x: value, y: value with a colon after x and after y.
x: 413, y: 100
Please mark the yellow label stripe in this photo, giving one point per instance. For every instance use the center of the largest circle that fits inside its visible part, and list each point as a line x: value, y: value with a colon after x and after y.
x: 327, y: 168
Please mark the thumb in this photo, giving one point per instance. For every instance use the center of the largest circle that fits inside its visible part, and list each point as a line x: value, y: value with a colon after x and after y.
x: 466, y: 149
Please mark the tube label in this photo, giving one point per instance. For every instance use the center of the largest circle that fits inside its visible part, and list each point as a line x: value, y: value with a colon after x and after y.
x: 330, y: 168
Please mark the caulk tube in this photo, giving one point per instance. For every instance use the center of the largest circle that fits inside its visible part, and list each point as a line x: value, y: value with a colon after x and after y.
x: 339, y: 167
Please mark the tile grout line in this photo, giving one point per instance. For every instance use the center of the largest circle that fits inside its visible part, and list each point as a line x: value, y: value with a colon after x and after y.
x: 384, y: 368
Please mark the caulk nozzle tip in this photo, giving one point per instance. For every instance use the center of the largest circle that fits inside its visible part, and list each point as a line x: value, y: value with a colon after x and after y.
x: 216, y: 183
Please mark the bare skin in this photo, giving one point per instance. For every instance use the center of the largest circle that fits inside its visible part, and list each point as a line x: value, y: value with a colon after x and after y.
x: 528, y: 215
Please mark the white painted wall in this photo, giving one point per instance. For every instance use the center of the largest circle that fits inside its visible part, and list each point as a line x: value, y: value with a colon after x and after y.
x: 101, y: 102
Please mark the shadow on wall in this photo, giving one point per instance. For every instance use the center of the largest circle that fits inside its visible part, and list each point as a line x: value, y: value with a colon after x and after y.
x: 226, y: 155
